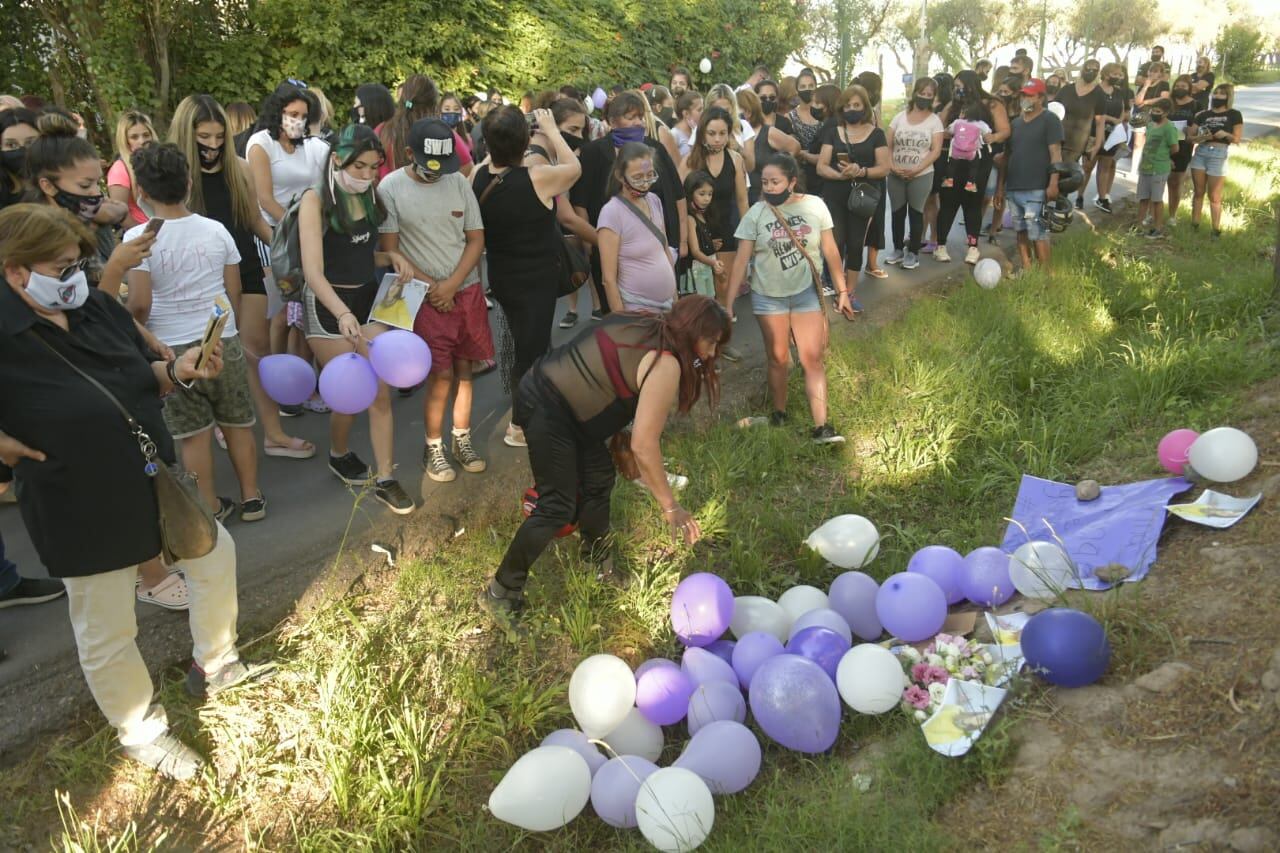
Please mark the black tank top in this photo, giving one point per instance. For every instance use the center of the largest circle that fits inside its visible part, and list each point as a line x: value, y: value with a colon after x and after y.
x: 519, y: 230
x: 217, y: 206
x: 348, y: 257
x: 762, y: 151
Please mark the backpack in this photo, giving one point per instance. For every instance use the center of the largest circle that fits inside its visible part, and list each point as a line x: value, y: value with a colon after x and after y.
x: 286, y: 254
x: 966, y: 138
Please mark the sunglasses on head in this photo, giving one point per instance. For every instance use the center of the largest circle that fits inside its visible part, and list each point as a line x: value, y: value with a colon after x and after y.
x: 294, y: 81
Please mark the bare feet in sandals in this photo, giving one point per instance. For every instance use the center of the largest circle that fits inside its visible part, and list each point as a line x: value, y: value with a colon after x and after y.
x: 289, y: 448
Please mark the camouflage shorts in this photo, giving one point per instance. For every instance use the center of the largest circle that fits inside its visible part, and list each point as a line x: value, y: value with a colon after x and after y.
x: 225, y: 400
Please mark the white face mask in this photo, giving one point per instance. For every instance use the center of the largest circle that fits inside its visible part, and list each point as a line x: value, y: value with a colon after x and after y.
x: 53, y: 293
x: 355, y: 186
x: 293, y: 127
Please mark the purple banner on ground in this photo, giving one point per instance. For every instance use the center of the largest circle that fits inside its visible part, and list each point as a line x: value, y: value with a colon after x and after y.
x: 1122, y: 526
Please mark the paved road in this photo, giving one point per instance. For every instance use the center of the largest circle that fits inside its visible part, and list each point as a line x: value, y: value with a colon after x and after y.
x: 1260, y: 106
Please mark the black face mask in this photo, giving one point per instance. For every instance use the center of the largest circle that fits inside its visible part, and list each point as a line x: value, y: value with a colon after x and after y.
x: 924, y: 103
x: 1157, y: 117
x: 210, y: 155
x: 768, y: 106
x: 574, y: 142
x: 1052, y: 90
x: 668, y: 117
x: 806, y: 95
x: 1181, y: 93
x: 1115, y: 81
x: 854, y: 116
x: 14, y: 160
x: 1218, y: 102
x: 776, y: 199
x: 357, y: 116
x: 83, y: 206
x: 817, y: 112
x: 1089, y: 75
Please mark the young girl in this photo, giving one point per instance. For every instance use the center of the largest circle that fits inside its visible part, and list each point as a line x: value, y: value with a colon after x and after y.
x: 133, y: 131
x: 700, y: 269
x: 966, y: 132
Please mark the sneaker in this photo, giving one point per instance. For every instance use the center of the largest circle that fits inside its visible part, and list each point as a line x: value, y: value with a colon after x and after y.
x: 488, y: 302
x: 514, y: 437
x: 910, y: 261
x: 1154, y: 234
x: 483, y: 367
x: 316, y: 405
x: 226, y: 506
x: 465, y: 453
x: 828, y: 291
x: 929, y: 248
x: 826, y: 434
x: 597, y: 315
x: 1146, y: 221
x: 168, y: 756
x: 1079, y: 202
x: 391, y: 493
x: 350, y: 469
x: 728, y: 353
x: 254, y: 509
x: 506, y: 605
x: 290, y: 411
x: 894, y: 257
x: 202, y: 685
x: 33, y: 591
x: 941, y: 256
x: 1217, y: 234
x: 972, y: 255
x: 777, y: 419
x: 855, y: 305
x: 1170, y: 222
x: 569, y: 320
x: 436, y: 464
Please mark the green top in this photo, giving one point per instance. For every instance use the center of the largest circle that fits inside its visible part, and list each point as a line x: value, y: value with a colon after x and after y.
x: 1155, y: 152
x: 780, y: 270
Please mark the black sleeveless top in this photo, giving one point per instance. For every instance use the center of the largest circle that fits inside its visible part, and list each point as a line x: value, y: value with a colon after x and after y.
x: 217, y: 206
x: 348, y: 257
x: 762, y: 151
x: 726, y: 198
x: 521, y: 239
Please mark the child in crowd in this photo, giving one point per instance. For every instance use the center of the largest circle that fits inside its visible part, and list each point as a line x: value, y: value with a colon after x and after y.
x: 699, y: 269
x: 1154, y: 168
x: 966, y: 147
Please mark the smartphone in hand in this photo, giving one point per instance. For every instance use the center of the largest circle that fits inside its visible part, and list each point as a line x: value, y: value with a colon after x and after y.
x: 153, y: 225
x: 218, y: 318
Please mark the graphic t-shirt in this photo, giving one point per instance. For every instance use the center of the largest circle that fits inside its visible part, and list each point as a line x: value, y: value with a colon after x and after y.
x: 1211, y: 122
x: 1029, y: 143
x: 911, y: 142
x: 186, y: 265
x: 1156, y: 159
x: 432, y: 221
x: 780, y: 269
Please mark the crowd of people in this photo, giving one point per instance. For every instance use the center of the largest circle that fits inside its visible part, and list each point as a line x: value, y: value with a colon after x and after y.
x: 663, y: 203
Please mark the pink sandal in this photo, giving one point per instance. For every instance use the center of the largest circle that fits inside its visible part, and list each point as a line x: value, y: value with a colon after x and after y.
x: 297, y: 448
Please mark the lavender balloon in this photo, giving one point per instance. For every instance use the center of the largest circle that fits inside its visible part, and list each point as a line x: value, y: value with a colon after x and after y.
x: 577, y: 741
x: 614, y: 789
x: 824, y: 618
x: 796, y: 704
x: 725, y: 754
x: 944, y: 566
x: 653, y: 663
x: 287, y: 379
x: 752, y: 650
x: 348, y: 384
x: 911, y: 606
x: 701, y: 609
x: 722, y: 649
x: 822, y: 646
x: 703, y: 667
x: 716, y: 700
x: 985, y: 577
x: 662, y: 694
x: 400, y: 358
x: 853, y: 596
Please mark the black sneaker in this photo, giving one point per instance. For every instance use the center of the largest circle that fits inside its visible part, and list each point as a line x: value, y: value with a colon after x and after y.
x: 391, y: 493
x: 1079, y: 202
x: 505, y: 605
x: 350, y: 469
x: 777, y: 419
x: 226, y: 507
x: 33, y: 591
x: 436, y: 464
x: 826, y: 434
x: 201, y: 685
x: 569, y: 320
x: 465, y: 453
x: 1103, y: 204
x: 254, y: 509
x: 597, y: 315
x: 291, y: 411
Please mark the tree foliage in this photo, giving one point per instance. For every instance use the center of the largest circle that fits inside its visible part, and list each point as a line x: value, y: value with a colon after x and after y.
x: 1238, y: 48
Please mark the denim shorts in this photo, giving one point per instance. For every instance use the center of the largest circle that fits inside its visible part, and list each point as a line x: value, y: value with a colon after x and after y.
x: 1025, y: 207
x: 1210, y: 159
x: 804, y: 302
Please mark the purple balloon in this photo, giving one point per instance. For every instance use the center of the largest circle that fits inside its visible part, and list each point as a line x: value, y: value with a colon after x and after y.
x: 985, y: 577
x: 823, y: 617
x: 796, y: 704
x: 348, y: 384
x: 911, y: 606
x: 1066, y: 647
x: 716, y: 700
x: 577, y: 741
x: 662, y: 694
x: 753, y: 649
x: 944, y: 565
x: 853, y: 596
x: 653, y: 663
x: 599, y: 97
x: 615, y: 787
x: 822, y: 646
x: 722, y: 649
x: 701, y: 609
x: 400, y: 358
x: 287, y: 379
x: 702, y: 666
x: 725, y: 754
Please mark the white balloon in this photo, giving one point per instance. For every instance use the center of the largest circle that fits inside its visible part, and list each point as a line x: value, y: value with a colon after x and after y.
x: 1058, y: 109
x: 1223, y: 455
x: 705, y: 66
x: 799, y: 600
x: 1041, y: 570
x: 635, y: 735
x: 675, y: 810
x: 987, y: 273
x: 823, y: 618
x: 601, y: 692
x: 544, y: 790
x: 848, y: 541
x: 757, y: 613
x: 870, y: 679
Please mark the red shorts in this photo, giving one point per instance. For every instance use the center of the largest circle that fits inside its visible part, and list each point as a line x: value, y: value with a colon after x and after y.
x: 462, y: 333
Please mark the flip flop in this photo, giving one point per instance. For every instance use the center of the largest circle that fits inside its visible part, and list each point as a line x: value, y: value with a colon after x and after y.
x: 171, y: 593
x: 297, y: 448
x: 877, y: 273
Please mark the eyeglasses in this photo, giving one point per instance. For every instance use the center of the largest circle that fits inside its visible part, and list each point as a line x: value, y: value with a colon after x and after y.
x: 649, y: 178
x: 69, y: 271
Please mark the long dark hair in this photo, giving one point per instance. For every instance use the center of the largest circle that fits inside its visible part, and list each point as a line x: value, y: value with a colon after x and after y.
x: 273, y: 108
x: 55, y: 149
x: 692, y: 183
x: 974, y: 95
x: 419, y: 99
x: 378, y: 104
x: 628, y: 154
x: 678, y: 332
x: 697, y: 158
x: 350, y: 142
x: 11, y: 184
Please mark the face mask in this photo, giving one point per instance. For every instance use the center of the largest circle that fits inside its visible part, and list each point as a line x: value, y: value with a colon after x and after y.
x: 668, y: 117
x: 354, y: 186
x: 1157, y: 117
x: 1052, y: 90
x: 776, y: 199
x: 768, y: 105
x: 713, y: 149
x: 49, y: 292
x: 357, y: 115
x: 428, y: 177
x: 574, y: 142
x: 1089, y: 75
x: 1027, y: 104
x: 83, y: 206
x: 959, y: 94
x: 209, y: 155
x: 806, y: 95
x: 1181, y: 93
x: 14, y: 160
x: 1115, y: 81
x: 924, y: 103
x: 817, y: 112
x: 293, y: 127
x: 854, y: 116
x: 640, y: 187
x: 451, y: 119
x: 1218, y: 102
x: 622, y: 135
x: 678, y: 90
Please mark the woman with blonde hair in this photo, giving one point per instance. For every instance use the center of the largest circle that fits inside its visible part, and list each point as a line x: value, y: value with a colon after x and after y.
x: 133, y: 130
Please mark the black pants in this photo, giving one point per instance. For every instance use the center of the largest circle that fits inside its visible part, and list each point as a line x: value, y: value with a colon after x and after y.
x: 850, y: 231
x: 955, y: 198
x: 530, y: 316
x: 573, y: 477
x: 900, y: 217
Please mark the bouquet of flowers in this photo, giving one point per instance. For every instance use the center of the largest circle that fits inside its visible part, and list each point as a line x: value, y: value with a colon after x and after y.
x: 945, y: 658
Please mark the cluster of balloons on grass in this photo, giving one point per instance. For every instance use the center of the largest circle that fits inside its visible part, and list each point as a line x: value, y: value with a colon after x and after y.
x: 349, y: 383
x: 1221, y: 455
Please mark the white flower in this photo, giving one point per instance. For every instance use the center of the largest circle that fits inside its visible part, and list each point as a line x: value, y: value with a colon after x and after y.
x: 987, y: 659
x: 934, y: 659
x: 946, y: 650
x: 911, y: 653
x: 921, y: 716
x: 936, y: 692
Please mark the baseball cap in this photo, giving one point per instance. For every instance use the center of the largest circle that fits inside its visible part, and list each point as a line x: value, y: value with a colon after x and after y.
x: 1035, y: 86
x: 432, y: 144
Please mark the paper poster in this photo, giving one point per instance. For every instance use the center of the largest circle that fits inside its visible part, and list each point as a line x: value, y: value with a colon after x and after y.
x: 966, y: 709
x: 1214, y: 509
x: 1119, y: 135
x: 396, y: 304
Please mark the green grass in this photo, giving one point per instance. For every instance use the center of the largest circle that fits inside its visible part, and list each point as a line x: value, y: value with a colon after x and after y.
x: 392, y: 716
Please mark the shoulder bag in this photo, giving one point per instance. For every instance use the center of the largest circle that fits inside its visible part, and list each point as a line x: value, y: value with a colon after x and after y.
x: 813, y: 268
x: 658, y: 234
x: 187, y: 526
x: 864, y: 196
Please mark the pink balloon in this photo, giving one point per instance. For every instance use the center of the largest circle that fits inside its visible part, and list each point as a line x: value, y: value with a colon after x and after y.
x: 1173, y: 449
x: 348, y: 384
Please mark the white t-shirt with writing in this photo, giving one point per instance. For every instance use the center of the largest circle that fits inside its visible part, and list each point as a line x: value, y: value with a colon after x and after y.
x: 911, y: 142
x: 186, y: 265
x: 291, y: 174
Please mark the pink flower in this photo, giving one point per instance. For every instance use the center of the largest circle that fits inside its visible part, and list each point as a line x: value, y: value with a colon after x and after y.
x: 916, y: 697
x: 935, y: 675
x: 918, y: 672
x: 969, y: 672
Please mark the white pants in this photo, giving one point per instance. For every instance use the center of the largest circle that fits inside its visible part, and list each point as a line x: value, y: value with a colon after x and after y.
x: 106, y: 630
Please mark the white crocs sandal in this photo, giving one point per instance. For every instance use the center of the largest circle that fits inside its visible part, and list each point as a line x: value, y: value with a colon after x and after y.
x: 171, y: 593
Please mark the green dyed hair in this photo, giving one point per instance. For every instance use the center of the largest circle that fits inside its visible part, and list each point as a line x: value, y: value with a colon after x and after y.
x: 352, y: 141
